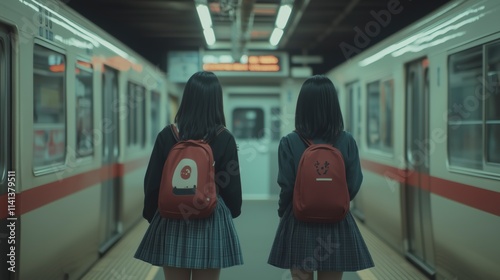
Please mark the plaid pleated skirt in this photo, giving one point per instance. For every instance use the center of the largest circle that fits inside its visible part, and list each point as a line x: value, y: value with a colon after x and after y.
x: 319, y: 247
x: 195, y: 244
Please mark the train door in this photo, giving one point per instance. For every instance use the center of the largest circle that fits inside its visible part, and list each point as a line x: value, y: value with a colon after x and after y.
x: 173, y: 105
x: 6, y: 172
x: 419, y: 239
x: 353, y: 126
x: 110, y: 226
x: 255, y: 124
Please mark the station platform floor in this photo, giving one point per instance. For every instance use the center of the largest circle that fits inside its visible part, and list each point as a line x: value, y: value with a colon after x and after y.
x: 256, y: 228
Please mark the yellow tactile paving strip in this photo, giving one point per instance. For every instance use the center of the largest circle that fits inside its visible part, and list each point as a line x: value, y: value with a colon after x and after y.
x: 119, y: 264
x: 389, y: 265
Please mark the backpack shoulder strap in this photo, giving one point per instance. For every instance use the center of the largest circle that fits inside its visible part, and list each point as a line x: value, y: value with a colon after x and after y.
x: 175, y: 132
x: 306, y: 141
x: 219, y: 131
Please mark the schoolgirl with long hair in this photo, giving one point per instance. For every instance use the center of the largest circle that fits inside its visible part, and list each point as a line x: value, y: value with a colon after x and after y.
x: 197, y: 248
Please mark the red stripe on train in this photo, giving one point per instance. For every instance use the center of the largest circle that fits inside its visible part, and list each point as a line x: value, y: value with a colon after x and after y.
x: 31, y: 199
x: 484, y: 200
x: 34, y: 198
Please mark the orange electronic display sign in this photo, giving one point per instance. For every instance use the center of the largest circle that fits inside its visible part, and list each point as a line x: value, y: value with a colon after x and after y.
x: 256, y: 63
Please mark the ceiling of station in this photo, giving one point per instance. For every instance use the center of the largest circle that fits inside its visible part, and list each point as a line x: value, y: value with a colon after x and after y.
x: 316, y: 27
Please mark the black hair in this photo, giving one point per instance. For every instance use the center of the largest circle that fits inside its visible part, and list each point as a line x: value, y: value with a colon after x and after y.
x: 201, y: 111
x: 318, y: 113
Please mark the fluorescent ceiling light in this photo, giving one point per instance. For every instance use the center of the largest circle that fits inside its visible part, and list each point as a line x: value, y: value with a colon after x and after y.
x: 281, y: 21
x: 244, y: 59
x: 209, y: 36
x: 276, y: 36
x: 206, y: 23
x: 283, y: 16
x: 204, y: 14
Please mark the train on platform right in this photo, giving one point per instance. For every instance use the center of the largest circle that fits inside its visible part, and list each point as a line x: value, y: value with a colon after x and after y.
x: 424, y: 108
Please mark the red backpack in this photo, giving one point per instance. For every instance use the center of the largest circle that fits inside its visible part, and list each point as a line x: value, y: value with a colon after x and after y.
x: 187, y: 188
x: 320, y: 193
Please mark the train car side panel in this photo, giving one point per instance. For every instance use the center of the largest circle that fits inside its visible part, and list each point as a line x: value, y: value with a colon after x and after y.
x: 68, y: 244
x: 455, y: 187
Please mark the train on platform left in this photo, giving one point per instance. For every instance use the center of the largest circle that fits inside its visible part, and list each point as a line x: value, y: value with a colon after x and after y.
x: 79, y: 114
x: 80, y: 111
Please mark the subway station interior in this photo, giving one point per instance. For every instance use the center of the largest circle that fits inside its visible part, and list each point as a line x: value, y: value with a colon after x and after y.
x: 87, y: 87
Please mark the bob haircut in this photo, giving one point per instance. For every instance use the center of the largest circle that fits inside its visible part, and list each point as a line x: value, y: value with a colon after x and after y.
x: 318, y: 114
x: 201, y: 111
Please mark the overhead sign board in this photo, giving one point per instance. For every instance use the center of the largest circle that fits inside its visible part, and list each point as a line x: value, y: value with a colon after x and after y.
x: 255, y: 64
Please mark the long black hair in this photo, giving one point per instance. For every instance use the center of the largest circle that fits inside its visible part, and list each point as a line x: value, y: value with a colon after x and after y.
x: 201, y: 111
x: 318, y: 112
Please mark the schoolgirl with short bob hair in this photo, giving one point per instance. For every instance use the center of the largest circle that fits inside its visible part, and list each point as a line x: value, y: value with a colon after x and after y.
x: 195, y: 249
x: 201, y: 110
x: 318, y: 113
x: 328, y: 249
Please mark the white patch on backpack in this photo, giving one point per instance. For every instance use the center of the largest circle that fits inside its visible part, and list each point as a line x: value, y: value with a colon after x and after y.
x: 185, y: 177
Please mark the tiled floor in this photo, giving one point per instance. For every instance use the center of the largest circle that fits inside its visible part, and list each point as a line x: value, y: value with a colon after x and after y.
x: 256, y: 228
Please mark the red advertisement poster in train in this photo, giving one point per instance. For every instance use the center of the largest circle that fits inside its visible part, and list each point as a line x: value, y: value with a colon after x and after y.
x: 56, y: 144
x: 39, y: 146
x: 48, y: 145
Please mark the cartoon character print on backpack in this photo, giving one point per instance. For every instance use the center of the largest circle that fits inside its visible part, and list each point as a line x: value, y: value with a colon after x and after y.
x: 321, y: 170
x: 185, y: 177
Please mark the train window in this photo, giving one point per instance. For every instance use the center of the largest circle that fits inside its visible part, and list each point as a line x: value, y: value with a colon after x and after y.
x: 248, y: 123
x: 380, y: 109
x: 474, y: 107
x: 4, y: 117
x: 131, y: 114
x: 84, y: 109
x: 465, y: 116
x: 492, y: 97
x: 141, y: 115
x: 49, y: 108
x: 136, y: 119
x: 353, y: 121
x: 155, y: 115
